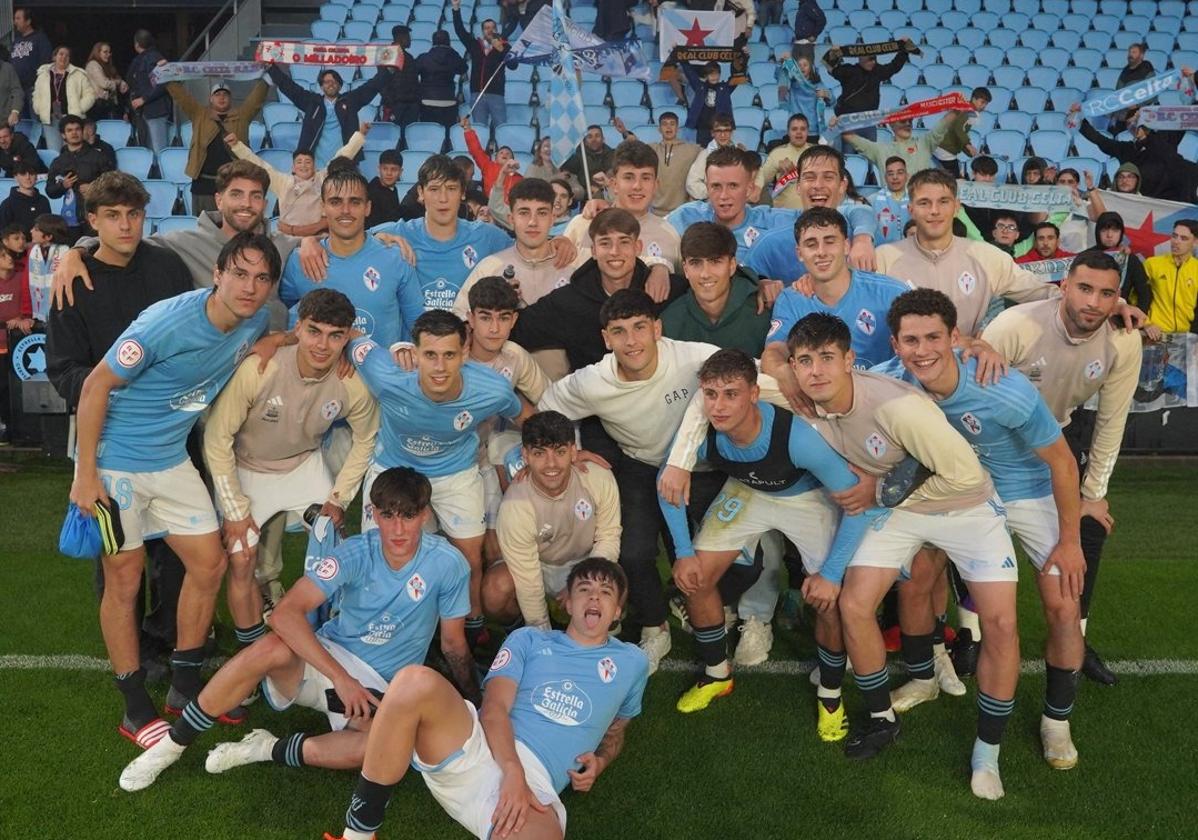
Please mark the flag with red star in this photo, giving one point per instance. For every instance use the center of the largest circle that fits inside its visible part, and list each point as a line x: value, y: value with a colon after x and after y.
x: 1147, y: 222
x: 683, y: 28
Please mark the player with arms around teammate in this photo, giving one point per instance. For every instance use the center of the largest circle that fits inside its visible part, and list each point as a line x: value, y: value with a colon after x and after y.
x: 1018, y: 441
x: 263, y: 438
x: 136, y: 409
x: 394, y: 586
x: 549, y: 523
x: 554, y: 713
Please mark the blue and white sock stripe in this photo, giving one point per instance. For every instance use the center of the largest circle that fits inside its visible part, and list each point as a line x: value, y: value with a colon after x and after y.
x: 196, y: 718
x: 711, y: 634
x: 831, y: 659
x: 877, y: 679
x: 991, y: 706
x: 293, y: 750
x: 1057, y: 712
x: 926, y: 665
x: 246, y: 635
x: 352, y: 821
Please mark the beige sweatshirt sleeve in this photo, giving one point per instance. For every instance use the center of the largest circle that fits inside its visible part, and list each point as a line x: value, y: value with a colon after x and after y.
x: 693, y: 428
x: 516, y: 528
x: 485, y: 268
x: 1010, y: 280
x: 280, y: 182
x: 529, y: 379
x: 696, y: 177
x: 1114, y: 401
x: 601, y: 484
x: 363, y: 420
x: 224, y: 421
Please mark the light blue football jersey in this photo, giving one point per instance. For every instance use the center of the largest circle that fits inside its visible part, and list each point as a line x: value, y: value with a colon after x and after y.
x: 444, y: 266
x: 387, y: 617
x: 377, y: 280
x: 774, y: 256
x: 568, y: 694
x: 758, y: 221
x: 174, y: 362
x: 1003, y: 422
x: 863, y: 308
x: 436, y: 439
x: 892, y: 215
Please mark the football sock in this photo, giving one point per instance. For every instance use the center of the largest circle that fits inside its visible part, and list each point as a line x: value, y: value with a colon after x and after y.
x: 289, y: 751
x: 192, y: 722
x: 917, y: 653
x: 938, y: 633
x: 139, y: 708
x: 993, y: 715
x: 185, y: 668
x: 1092, y: 535
x: 246, y: 636
x: 366, y: 809
x: 831, y: 676
x: 712, y: 645
x: 1060, y: 692
x: 876, y: 688
x: 475, y: 624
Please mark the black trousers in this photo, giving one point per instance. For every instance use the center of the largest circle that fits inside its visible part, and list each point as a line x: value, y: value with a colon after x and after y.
x: 1078, y: 435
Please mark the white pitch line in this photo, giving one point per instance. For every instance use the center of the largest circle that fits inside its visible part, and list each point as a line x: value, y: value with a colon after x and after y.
x: 776, y: 667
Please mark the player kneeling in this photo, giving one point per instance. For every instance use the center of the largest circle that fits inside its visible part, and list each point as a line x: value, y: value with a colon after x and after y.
x: 392, y: 586
x: 554, y: 713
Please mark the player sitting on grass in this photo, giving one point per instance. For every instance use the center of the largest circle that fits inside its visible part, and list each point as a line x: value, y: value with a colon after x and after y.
x: 393, y: 586
x: 554, y: 713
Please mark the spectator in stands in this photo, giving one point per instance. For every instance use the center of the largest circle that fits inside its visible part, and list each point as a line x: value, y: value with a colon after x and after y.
x: 24, y: 202
x: 721, y: 135
x: 149, y: 102
x: 382, y: 190
x: 61, y: 89
x: 1005, y: 232
x: 809, y: 23
x: 490, y: 167
x: 1137, y: 69
x: 1108, y: 229
x: 800, y: 85
x: 1164, y: 173
x: 72, y: 171
x: 1173, y: 278
x: 958, y: 140
x: 438, y: 69
x: 542, y: 167
x: 769, y: 11
x: 15, y: 148
x: 1069, y: 177
x: 782, y: 161
x: 613, y: 20
x: 892, y: 203
x: 107, y: 84
x: 298, y: 191
x: 709, y: 97
x: 979, y: 221
x: 674, y: 160
x: 915, y: 151
x: 330, y: 117
x: 1046, y: 244
x: 598, y: 160
x: 401, y: 91
x: 861, y: 83
x: 93, y: 139
x: 30, y: 51
x: 16, y: 321
x: 51, y: 241
x: 487, y: 71
x: 1127, y: 179
x: 12, y: 95
x: 209, y: 125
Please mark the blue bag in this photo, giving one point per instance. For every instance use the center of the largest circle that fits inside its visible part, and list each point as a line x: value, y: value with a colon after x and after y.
x: 80, y: 535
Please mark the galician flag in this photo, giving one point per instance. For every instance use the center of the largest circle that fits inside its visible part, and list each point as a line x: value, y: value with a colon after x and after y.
x: 567, y: 117
x: 682, y: 28
x: 1147, y: 222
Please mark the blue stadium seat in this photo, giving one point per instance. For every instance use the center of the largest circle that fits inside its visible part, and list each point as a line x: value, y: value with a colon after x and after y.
x: 989, y: 57
x: 939, y: 37
x: 524, y: 114
x: 969, y: 7
x: 1007, y: 76
x: 1187, y: 41
x: 520, y: 138
x: 915, y: 93
x: 1188, y: 147
x: 1162, y: 41
x: 1083, y: 165
x: 395, y: 14
x: 1112, y: 7
x: 1051, y: 121
x: 285, y: 136
x: 1017, y: 21
x: 517, y: 92
x: 427, y: 12
x: 955, y: 20
x: 858, y: 168
x: 1087, y: 57
x: 646, y: 133
x: 1005, y: 143
x: 520, y: 73
x: 358, y: 29
x: 368, y: 12
x: 998, y: 7
x: 1016, y: 121
x: 1104, y: 23
x: 1107, y: 77
x: 924, y: 20
x: 47, y: 156
x: 892, y: 19
x: 625, y: 92
x: 778, y: 117
x: 1046, y: 22
x: 908, y: 6
x: 1063, y: 97
x: 1185, y: 58
x: 841, y: 35
x: 985, y: 21
x: 906, y: 77
x: 927, y: 55
x: 742, y: 96
x: 422, y: 30
x: 167, y: 224
x: 1138, y: 24
x: 1054, y: 57
x: 162, y: 197
x: 1003, y: 38
x: 172, y: 164
x: 1001, y: 98
x: 874, y: 34
x: 257, y: 134
x: 279, y: 159
x: 457, y: 138
x: 1165, y: 23
x: 326, y: 30
x: 599, y: 115
x: 971, y: 37
x: 661, y: 96
x: 114, y: 132
x: 973, y: 76
x: 383, y: 135
x: 430, y: 137
x: 136, y: 160
x: 1085, y: 148
x: 1043, y: 77
x: 32, y: 129
x: 890, y: 97
x: 1066, y: 39
x: 277, y: 112
x: 334, y: 12
x: 836, y: 17
x: 939, y: 75
x: 1084, y: 7
x: 1049, y: 144
x: 593, y: 92
x: 1031, y: 99
x: 768, y: 96
x: 955, y: 56
x: 1033, y: 39
x: 1081, y: 78
x: 1022, y: 57
x: 749, y: 118
x: 939, y: 7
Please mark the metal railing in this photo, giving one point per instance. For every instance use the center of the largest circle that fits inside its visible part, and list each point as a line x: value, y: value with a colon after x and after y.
x: 228, y: 32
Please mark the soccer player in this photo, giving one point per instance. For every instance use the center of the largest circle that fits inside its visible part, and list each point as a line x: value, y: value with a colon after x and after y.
x: 1020, y: 444
x: 394, y: 587
x: 1070, y: 351
x: 262, y: 443
x: 775, y: 465
x: 892, y: 203
x: 639, y: 392
x: 549, y: 523
x: 532, y: 258
x: 136, y: 408
x: 376, y: 279
x: 430, y: 420
x: 554, y: 713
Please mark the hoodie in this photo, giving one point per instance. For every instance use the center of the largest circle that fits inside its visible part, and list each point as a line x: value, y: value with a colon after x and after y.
x: 23, y: 209
x: 740, y: 325
x: 1134, y: 288
x: 1165, y: 173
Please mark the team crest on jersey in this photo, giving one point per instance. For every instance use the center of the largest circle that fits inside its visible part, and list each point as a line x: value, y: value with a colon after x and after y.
x: 463, y: 420
x: 1094, y: 369
x: 470, y: 256
x: 506, y: 372
x: 330, y: 410
x: 583, y: 510
x: 129, y: 353
x: 327, y: 568
x: 876, y: 445
x: 362, y: 350
x: 775, y: 325
x: 866, y: 322
x: 606, y: 668
x: 501, y: 659
x: 751, y: 234
x: 416, y: 587
x: 971, y: 423
x: 654, y: 250
x: 967, y: 282
x: 370, y: 277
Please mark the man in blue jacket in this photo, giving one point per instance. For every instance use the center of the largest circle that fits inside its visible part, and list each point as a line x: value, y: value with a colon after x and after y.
x: 30, y: 50
x: 150, y: 102
x: 709, y: 95
x: 330, y: 117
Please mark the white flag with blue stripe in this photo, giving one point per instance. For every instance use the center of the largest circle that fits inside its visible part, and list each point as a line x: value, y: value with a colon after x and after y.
x: 567, y: 116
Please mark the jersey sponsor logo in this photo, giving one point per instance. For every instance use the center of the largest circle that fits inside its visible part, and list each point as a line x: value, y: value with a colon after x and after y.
x: 363, y: 322
x: 654, y: 250
x: 362, y: 350
x: 866, y: 322
x: 370, y: 278
x: 470, y: 256
x: 875, y: 445
x: 501, y: 659
x: 1094, y: 369
x: 271, y: 413
x: 775, y: 325
x: 967, y: 282
x: 381, y: 631
x: 971, y: 423
x: 583, y: 510
x: 422, y: 446
x: 757, y: 481
x: 129, y: 353
x: 440, y: 294
x: 416, y: 587
x: 563, y: 702
x: 195, y: 399
x: 751, y: 235
x: 607, y: 669
x: 463, y: 420
x: 330, y: 410
x: 327, y: 568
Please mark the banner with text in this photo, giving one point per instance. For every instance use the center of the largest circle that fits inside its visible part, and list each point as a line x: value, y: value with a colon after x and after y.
x: 1015, y: 197
x: 185, y: 71
x: 334, y: 55
x: 1131, y: 96
x: 682, y: 28
x: 912, y: 111
x: 1169, y: 117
